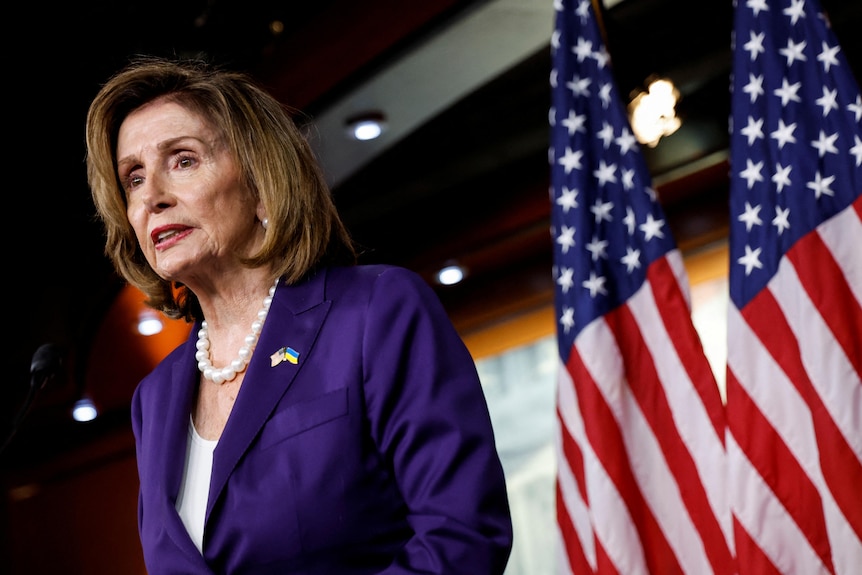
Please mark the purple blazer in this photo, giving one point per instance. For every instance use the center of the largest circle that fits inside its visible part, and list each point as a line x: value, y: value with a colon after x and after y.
x: 372, y: 453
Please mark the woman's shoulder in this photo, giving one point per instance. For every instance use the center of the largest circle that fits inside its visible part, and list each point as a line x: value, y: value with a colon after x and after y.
x: 375, y: 272
x: 379, y: 278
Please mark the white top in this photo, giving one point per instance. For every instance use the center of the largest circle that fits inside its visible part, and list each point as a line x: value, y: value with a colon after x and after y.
x: 195, y: 487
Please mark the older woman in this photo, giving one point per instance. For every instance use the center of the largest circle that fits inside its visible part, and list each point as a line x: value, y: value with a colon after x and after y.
x: 323, y: 417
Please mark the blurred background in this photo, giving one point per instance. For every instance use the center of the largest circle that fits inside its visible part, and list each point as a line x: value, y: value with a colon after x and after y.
x: 458, y: 176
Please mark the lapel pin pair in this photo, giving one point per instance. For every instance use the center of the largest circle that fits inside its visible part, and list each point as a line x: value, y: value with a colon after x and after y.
x: 284, y: 354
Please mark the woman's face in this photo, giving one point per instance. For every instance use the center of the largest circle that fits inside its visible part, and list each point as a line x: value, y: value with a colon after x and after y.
x: 192, y: 215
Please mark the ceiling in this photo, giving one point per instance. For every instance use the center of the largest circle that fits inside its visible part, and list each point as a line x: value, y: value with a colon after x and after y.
x: 461, y: 174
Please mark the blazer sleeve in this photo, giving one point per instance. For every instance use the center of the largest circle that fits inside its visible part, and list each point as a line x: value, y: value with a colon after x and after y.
x: 430, y: 420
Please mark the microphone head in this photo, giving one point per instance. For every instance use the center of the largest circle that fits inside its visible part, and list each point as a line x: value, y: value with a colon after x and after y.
x: 46, y: 360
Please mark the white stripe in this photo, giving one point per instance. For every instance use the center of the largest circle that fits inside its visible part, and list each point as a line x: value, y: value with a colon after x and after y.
x: 843, y: 235
x: 827, y: 366
x: 655, y: 479
x: 790, y: 416
x: 764, y: 518
x: 690, y: 415
x: 562, y: 560
x: 611, y: 520
x: 839, y: 388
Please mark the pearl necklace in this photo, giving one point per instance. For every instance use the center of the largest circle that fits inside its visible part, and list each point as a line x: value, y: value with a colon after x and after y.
x: 238, y: 365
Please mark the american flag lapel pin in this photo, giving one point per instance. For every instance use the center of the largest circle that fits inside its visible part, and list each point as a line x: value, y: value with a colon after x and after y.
x: 284, y: 354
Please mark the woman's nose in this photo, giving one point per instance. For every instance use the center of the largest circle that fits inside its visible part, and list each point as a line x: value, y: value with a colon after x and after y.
x: 157, y: 194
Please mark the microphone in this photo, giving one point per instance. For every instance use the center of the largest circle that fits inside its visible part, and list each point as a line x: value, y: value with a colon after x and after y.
x: 45, y: 364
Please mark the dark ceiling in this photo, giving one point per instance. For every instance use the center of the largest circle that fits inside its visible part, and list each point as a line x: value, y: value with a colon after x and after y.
x: 467, y: 181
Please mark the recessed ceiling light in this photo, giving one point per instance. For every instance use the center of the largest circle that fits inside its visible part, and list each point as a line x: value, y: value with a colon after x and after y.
x: 450, y: 275
x: 366, y: 126
x: 84, y: 410
x: 149, y: 323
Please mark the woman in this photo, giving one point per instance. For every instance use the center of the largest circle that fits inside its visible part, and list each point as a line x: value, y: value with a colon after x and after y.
x: 323, y: 417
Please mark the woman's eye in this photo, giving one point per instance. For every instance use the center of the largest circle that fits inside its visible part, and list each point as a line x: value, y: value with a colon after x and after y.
x: 131, y: 182
x: 185, y: 162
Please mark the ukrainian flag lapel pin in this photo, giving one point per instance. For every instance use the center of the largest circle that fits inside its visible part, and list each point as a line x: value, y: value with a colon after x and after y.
x: 284, y: 354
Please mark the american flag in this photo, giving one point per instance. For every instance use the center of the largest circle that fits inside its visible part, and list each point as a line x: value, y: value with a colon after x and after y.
x: 641, y: 467
x: 794, y: 397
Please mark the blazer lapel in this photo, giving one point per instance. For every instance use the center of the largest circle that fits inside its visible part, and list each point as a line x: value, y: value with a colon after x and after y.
x: 285, y: 343
x: 172, y: 452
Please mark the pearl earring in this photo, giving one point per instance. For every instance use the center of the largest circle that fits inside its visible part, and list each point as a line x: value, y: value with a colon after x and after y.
x: 265, y: 223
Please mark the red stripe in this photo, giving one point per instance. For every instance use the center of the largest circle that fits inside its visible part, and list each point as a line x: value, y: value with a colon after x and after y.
x: 750, y: 555
x: 827, y: 287
x: 841, y: 469
x: 778, y: 468
x: 676, y: 317
x: 574, y: 457
x: 574, y: 551
x: 604, y: 565
x: 648, y: 392
x: 607, y: 442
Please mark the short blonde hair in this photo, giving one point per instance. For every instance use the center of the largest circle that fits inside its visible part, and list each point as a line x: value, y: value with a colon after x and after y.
x: 275, y: 160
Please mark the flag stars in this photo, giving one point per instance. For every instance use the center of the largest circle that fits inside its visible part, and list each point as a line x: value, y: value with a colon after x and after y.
x: 579, y: 86
x: 565, y: 280
x: 781, y: 221
x: 825, y: 144
x: 583, y: 49
x: 629, y: 220
x: 626, y: 141
x: 575, y: 123
x: 606, y: 135
x: 602, y: 57
x: 571, y: 160
x: 605, y: 95
x: 652, y: 228
x: 754, y: 46
x: 781, y: 177
x: 793, y: 52
x: 828, y: 101
x: 567, y: 320
x: 628, y: 179
x: 568, y: 199
x: 751, y: 216
x: 828, y: 56
x: 820, y: 185
x: 595, y: 285
x: 856, y: 150
x: 602, y: 210
x: 757, y: 6
x: 795, y: 11
x: 750, y: 260
x: 632, y: 259
x: 753, y: 130
x: 787, y: 92
x: 754, y: 88
x: 566, y: 239
x: 583, y: 10
x: 605, y: 173
x: 856, y: 108
x: 598, y: 249
x: 784, y: 134
x: 751, y: 173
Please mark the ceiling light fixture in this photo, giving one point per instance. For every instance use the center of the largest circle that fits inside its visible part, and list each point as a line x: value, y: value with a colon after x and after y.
x: 149, y: 323
x: 84, y: 410
x: 366, y: 126
x: 652, y: 114
x: 450, y: 275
